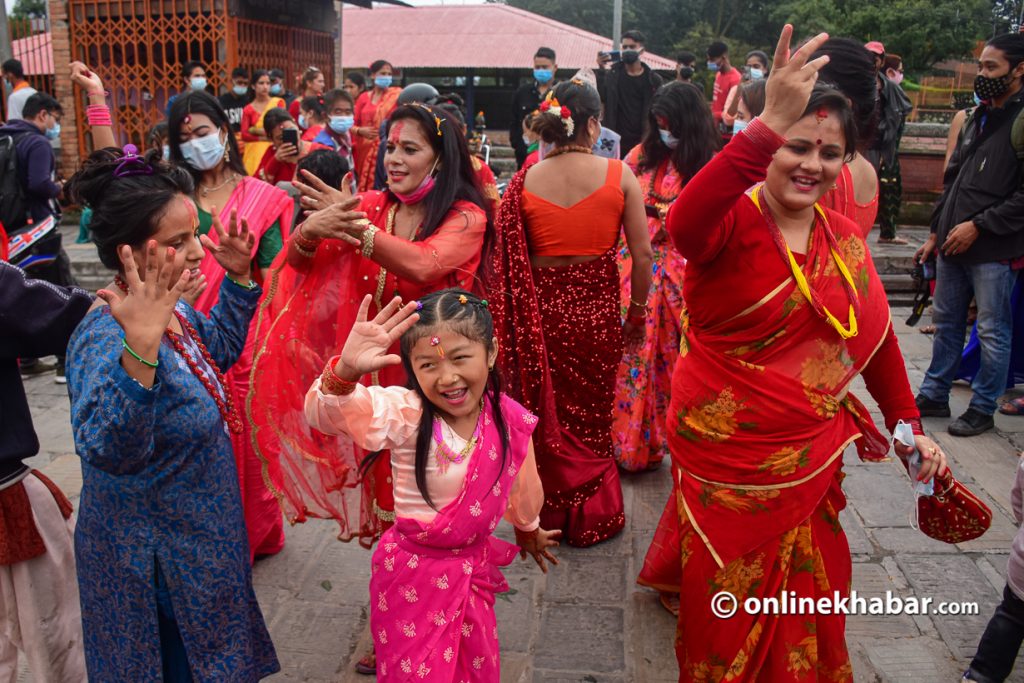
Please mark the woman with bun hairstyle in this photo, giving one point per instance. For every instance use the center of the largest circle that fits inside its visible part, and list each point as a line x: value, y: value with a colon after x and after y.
x: 201, y: 143
x: 372, y: 108
x: 851, y: 71
x: 162, y: 554
x: 554, y: 288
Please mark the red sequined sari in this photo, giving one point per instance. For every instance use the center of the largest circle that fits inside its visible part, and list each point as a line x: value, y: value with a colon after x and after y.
x: 560, y: 342
x: 302, y: 322
x: 760, y: 416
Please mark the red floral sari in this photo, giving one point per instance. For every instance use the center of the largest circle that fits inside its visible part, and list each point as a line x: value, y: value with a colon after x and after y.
x: 760, y: 416
x: 303, y: 321
x: 261, y: 205
x: 365, y: 151
x: 560, y: 342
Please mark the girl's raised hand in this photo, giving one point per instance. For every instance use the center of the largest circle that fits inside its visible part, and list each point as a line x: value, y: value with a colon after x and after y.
x: 86, y: 79
x: 145, y: 310
x: 536, y: 543
x: 234, y: 248
x: 789, y: 85
x: 366, y: 349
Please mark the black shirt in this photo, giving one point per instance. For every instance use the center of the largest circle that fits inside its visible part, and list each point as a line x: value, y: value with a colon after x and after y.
x: 526, y: 99
x: 233, y: 105
x: 984, y: 183
x: 631, y: 113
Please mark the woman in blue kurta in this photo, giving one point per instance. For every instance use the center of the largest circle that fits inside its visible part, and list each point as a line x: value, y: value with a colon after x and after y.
x: 163, y: 560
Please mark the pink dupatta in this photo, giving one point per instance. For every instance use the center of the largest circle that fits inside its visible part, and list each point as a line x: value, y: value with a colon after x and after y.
x: 261, y: 204
x: 433, y: 586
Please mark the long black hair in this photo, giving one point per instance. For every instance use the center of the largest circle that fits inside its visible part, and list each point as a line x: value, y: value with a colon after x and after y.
x: 689, y: 119
x: 126, y: 209
x: 201, y: 102
x: 472, y: 320
x: 851, y: 71
x: 455, y: 180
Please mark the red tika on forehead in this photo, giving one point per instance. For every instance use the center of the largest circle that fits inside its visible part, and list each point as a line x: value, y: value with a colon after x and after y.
x: 821, y: 115
x: 396, y: 131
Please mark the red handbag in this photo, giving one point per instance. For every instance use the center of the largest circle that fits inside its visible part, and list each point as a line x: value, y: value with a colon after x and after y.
x: 955, y: 515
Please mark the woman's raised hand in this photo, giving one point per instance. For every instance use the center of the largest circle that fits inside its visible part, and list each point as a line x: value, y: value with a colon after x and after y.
x: 791, y: 81
x: 88, y: 80
x: 366, y: 349
x: 234, y: 248
x: 145, y: 310
x: 317, y: 195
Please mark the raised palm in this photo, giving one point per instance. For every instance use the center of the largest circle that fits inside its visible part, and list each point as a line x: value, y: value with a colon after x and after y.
x: 233, y: 250
x: 366, y: 349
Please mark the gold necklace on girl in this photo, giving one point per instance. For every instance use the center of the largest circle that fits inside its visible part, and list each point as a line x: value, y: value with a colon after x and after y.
x: 446, y: 455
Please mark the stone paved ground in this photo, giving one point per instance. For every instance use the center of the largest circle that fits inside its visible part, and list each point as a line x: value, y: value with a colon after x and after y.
x: 588, y: 621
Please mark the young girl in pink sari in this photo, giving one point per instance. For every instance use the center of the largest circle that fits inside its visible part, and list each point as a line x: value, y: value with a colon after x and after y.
x: 462, y: 457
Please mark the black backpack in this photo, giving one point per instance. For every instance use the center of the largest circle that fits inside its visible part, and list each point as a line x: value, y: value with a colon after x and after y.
x: 14, y: 212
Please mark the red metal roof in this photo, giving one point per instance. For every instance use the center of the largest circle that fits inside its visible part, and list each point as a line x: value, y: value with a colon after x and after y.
x: 480, y: 36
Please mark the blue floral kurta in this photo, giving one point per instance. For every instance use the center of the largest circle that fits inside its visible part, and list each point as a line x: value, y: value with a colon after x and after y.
x: 160, y: 485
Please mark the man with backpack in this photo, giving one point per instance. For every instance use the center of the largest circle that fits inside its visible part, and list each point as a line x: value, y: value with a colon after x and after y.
x: 28, y: 191
x: 977, y: 233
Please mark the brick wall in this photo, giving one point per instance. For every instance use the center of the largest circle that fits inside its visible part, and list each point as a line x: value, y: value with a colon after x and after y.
x: 63, y: 91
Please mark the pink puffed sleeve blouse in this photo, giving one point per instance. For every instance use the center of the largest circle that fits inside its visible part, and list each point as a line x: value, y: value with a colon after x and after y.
x: 378, y: 418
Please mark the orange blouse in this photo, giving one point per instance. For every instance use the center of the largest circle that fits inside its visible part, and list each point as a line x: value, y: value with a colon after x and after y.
x: 590, y: 227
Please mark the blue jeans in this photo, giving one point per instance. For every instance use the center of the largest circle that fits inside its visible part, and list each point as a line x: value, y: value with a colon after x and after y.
x: 991, y: 285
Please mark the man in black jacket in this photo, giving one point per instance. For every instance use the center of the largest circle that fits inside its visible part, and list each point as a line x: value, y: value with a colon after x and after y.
x: 528, y: 97
x: 627, y: 90
x: 978, y: 230
x: 37, y: 565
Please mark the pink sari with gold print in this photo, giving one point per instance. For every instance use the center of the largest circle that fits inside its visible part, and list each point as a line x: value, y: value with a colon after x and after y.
x: 433, y: 587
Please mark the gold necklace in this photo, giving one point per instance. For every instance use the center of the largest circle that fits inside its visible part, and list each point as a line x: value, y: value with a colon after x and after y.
x: 204, y: 190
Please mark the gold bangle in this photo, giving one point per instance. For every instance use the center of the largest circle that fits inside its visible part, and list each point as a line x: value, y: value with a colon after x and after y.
x: 305, y: 253
x: 369, y: 234
x: 638, y: 304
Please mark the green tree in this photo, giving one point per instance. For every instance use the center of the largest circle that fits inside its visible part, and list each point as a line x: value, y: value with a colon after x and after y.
x: 29, y: 9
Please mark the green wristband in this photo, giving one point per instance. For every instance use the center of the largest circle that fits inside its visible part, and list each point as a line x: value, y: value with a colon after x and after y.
x: 250, y: 286
x: 131, y: 352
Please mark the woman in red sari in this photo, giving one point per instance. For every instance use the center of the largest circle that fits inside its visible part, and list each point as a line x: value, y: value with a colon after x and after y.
x: 372, y: 109
x: 851, y: 70
x: 554, y: 289
x: 761, y: 410
x: 200, y: 141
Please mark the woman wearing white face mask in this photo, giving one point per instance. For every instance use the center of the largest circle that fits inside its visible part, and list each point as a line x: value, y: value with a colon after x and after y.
x: 756, y: 69
x: 253, y: 133
x: 201, y: 142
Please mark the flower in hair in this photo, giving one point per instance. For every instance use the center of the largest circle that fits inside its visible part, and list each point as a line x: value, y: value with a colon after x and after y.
x: 545, y: 106
x: 566, y: 114
x: 463, y: 300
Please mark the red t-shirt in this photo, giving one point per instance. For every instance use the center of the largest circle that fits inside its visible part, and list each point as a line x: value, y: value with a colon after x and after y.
x: 723, y: 84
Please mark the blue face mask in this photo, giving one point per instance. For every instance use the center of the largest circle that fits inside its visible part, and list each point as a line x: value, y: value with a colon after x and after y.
x: 341, y: 124
x: 712, y: 66
x: 543, y: 75
x: 197, y: 83
x: 53, y: 133
x: 275, y: 89
x: 240, y: 90
x: 383, y: 81
x: 302, y: 122
x: 738, y: 126
x: 668, y: 139
x: 977, y: 100
x: 756, y: 74
x: 167, y: 152
x: 203, y: 153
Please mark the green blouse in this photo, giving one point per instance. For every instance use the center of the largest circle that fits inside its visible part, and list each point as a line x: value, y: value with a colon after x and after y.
x: 270, y: 244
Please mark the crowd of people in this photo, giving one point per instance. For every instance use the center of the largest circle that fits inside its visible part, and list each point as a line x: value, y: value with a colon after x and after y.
x: 322, y: 308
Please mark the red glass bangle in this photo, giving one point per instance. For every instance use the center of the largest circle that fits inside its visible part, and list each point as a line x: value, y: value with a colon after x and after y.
x: 332, y: 384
